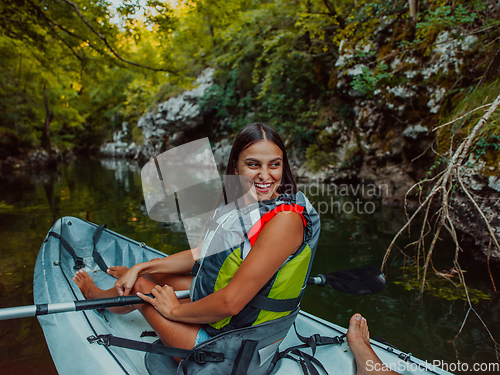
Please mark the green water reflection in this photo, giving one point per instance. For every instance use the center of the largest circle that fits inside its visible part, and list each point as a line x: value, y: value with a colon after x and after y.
x: 109, y: 191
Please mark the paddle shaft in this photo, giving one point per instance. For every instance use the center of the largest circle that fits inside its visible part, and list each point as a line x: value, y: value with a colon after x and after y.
x: 100, y: 303
x: 54, y: 308
x: 353, y: 281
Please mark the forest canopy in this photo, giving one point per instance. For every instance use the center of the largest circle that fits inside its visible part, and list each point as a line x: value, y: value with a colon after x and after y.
x: 74, y: 71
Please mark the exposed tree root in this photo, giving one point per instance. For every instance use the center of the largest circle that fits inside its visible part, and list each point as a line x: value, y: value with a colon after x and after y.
x: 445, y: 184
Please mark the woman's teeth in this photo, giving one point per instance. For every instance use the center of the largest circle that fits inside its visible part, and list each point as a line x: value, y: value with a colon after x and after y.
x: 262, y: 186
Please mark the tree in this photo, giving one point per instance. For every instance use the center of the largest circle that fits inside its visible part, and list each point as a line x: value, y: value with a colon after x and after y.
x: 413, y: 10
x: 53, y: 58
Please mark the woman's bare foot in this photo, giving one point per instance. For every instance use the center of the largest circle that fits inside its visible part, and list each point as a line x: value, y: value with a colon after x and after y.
x: 86, y: 284
x: 117, y: 271
x: 358, y: 339
x: 92, y: 291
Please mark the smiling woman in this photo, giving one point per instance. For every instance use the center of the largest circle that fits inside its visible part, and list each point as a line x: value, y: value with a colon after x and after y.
x: 232, y: 288
x: 259, y: 154
x: 262, y: 163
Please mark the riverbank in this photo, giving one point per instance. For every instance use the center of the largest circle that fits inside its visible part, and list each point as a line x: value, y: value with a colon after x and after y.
x: 31, y: 162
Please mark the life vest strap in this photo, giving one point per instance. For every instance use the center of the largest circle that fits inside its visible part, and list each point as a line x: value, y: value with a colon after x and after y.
x: 274, y: 305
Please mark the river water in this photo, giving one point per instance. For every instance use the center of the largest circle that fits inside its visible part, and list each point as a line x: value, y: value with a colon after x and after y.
x: 356, y: 230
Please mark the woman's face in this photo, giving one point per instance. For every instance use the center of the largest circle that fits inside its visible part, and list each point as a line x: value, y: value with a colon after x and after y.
x: 262, y: 163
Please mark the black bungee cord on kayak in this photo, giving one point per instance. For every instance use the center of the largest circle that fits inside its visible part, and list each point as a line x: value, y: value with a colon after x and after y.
x: 79, y: 264
x: 95, y: 254
x: 198, y: 356
x: 306, y: 360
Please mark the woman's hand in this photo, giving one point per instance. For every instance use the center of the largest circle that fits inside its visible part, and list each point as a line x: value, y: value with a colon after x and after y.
x: 165, y: 300
x: 126, y: 282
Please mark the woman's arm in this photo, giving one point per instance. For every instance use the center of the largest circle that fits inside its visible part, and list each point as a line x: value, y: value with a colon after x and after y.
x: 279, y: 239
x: 174, y: 264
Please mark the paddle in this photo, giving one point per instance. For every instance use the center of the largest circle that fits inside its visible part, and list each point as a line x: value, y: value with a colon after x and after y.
x: 53, y: 308
x: 366, y: 280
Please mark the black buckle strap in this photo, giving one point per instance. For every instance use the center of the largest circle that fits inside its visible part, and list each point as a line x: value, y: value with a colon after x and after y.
x: 78, y: 261
x: 318, y: 340
x: 244, y: 357
x: 149, y: 334
x: 306, y: 361
x: 199, y: 356
x: 79, y: 264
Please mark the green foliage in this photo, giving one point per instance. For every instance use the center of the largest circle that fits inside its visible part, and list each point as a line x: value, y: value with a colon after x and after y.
x: 88, y: 89
x: 457, y: 17
x: 483, y: 145
x: 316, y: 158
x: 486, y: 146
x: 268, y: 68
x: 368, y: 81
x: 446, y: 17
x: 447, y: 286
x: 274, y: 60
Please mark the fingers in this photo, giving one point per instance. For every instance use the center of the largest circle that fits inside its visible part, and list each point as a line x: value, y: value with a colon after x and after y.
x: 127, y: 290
x: 156, y: 292
x: 147, y: 299
x: 119, y: 289
x: 123, y: 290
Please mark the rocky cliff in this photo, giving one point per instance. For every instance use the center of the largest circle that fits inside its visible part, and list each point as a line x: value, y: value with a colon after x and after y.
x: 170, y: 123
x: 387, y: 139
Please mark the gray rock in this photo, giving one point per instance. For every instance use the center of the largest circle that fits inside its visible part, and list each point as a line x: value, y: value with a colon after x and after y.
x: 162, y: 125
x: 413, y: 131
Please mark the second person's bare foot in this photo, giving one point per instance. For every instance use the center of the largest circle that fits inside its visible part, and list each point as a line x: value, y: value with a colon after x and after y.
x: 117, y: 271
x: 358, y: 339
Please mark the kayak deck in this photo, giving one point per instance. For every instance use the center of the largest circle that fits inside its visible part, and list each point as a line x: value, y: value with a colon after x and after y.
x: 67, y: 333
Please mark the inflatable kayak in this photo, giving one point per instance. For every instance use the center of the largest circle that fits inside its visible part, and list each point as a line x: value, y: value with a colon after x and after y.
x: 73, y: 241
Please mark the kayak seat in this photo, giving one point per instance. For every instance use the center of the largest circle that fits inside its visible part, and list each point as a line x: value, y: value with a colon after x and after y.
x: 248, y: 350
x: 158, y: 364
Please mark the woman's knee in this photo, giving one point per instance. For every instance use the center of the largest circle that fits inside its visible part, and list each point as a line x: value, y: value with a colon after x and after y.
x: 176, y: 281
x: 143, y: 285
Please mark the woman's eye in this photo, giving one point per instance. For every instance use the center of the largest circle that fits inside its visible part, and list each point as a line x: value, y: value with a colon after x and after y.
x: 275, y: 165
x: 252, y: 165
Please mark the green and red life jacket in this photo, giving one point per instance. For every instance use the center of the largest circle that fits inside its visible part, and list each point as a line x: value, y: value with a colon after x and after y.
x: 230, y: 236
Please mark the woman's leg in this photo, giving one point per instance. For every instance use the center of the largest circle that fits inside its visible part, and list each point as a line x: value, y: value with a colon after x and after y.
x: 358, y: 338
x: 180, y: 335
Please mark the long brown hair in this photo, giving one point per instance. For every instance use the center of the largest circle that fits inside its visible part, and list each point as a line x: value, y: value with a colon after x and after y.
x: 249, y: 135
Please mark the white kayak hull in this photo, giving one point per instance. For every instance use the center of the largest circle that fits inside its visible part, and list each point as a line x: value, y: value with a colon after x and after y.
x: 66, y: 333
